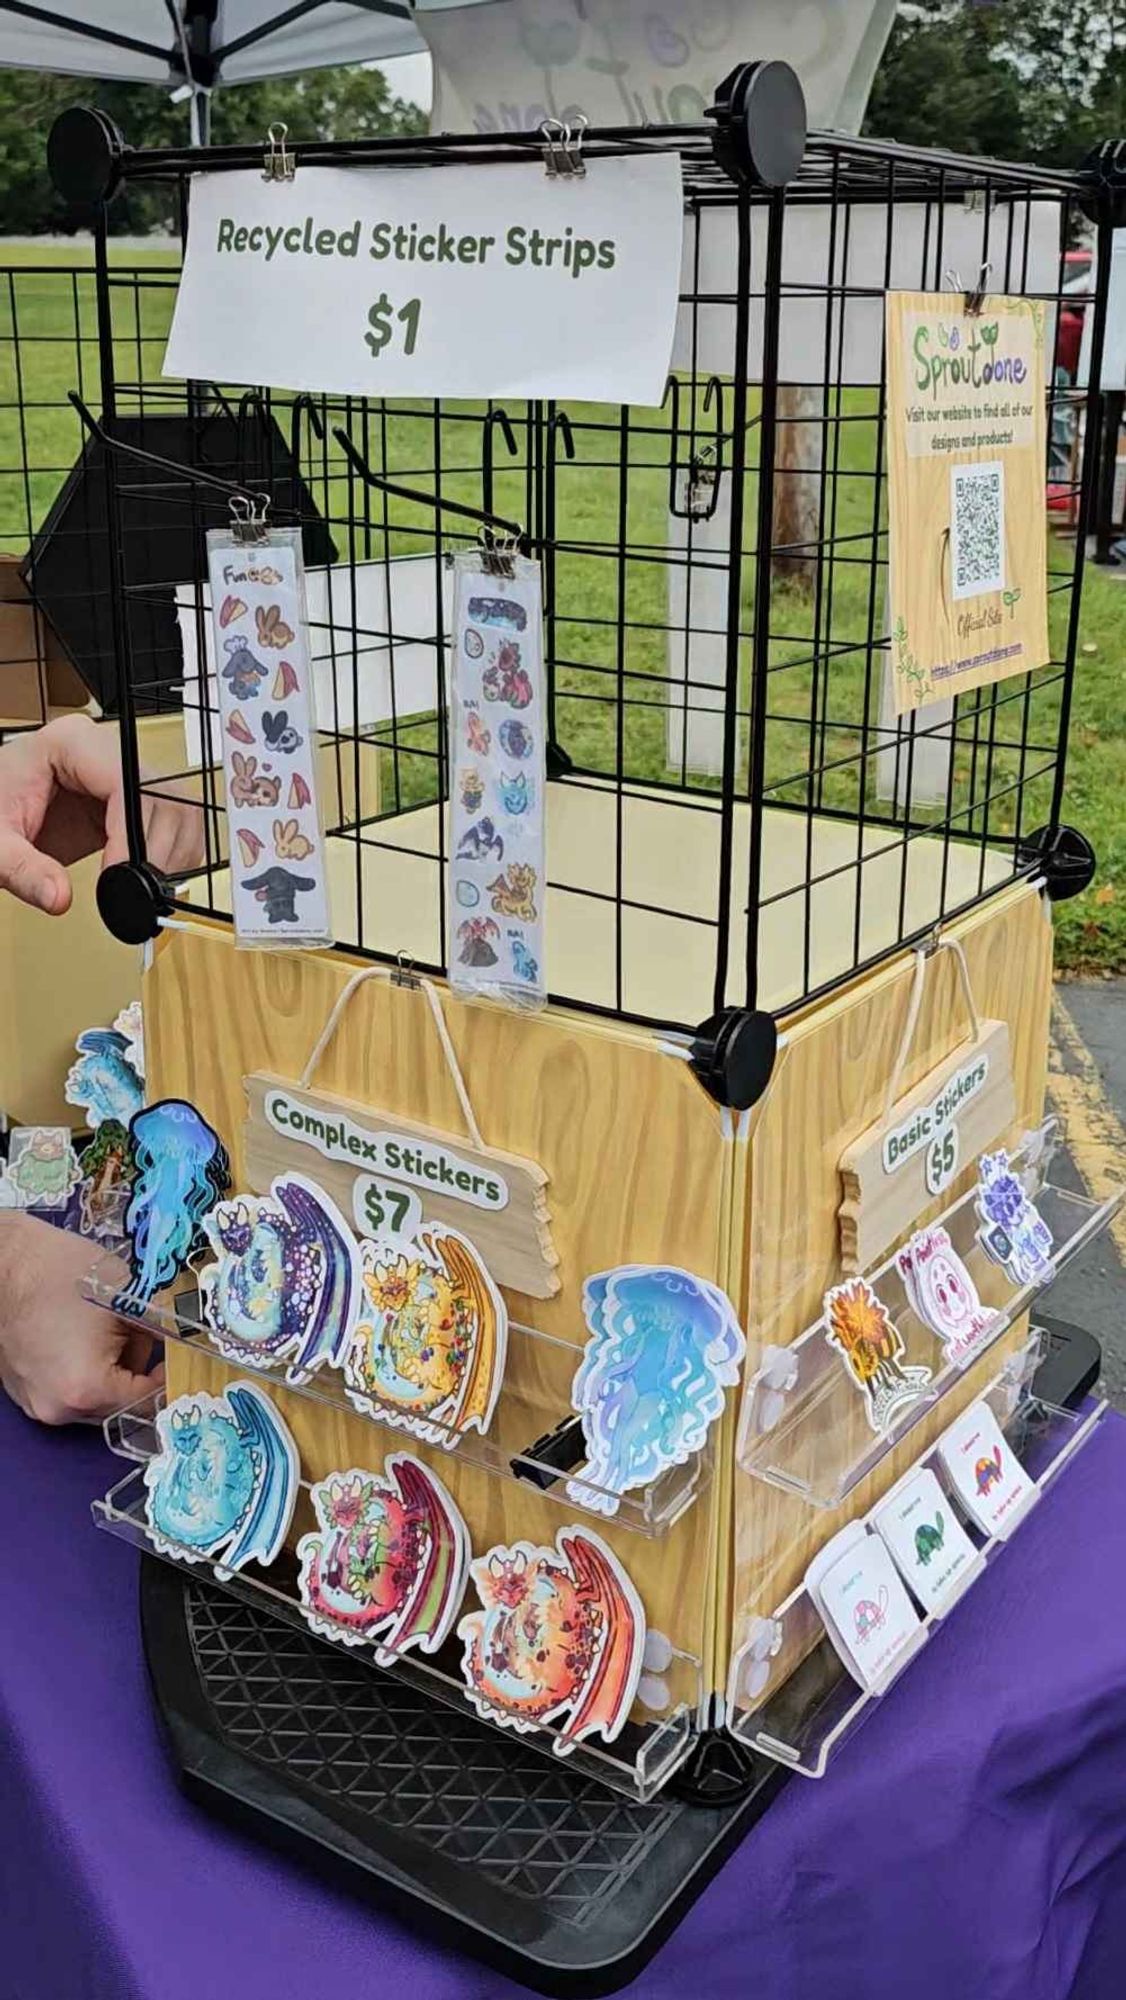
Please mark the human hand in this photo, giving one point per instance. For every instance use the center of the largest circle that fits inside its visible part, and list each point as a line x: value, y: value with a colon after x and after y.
x: 61, y: 798
x: 63, y: 1360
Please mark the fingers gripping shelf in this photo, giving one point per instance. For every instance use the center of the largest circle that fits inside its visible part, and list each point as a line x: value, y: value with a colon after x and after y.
x: 789, y: 1695
x: 655, y: 1742
x: 803, y: 1427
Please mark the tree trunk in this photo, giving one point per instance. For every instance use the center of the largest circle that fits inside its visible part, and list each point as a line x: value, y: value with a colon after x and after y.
x: 797, y: 483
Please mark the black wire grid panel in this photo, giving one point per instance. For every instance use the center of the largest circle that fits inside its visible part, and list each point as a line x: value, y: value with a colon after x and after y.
x: 735, y: 817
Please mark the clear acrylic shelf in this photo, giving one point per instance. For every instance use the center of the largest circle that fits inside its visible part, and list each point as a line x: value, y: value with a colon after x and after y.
x: 803, y: 1425
x: 789, y: 1695
x: 638, y: 1763
x: 534, y: 1406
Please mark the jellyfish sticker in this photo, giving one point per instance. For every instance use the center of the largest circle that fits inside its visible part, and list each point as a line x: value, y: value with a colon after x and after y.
x: 286, y: 1283
x: 388, y: 1562
x: 181, y: 1171
x: 560, y: 1638
x: 664, y: 1348
x: 225, y: 1479
x: 104, y: 1082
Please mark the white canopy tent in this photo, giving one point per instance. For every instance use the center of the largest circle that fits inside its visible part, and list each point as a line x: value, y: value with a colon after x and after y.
x: 498, y: 63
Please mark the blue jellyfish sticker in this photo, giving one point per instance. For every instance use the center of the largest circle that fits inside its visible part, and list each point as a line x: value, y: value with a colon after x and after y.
x: 182, y: 1170
x: 225, y: 1479
x: 103, y: 1082
x: 664, y: 1347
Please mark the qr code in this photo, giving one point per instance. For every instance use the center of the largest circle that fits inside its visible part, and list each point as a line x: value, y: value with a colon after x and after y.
x: 977, y: 528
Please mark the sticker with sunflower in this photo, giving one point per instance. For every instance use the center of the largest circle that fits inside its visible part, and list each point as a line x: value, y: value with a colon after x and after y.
x: 428, y: 1351
x: 860, y: 1327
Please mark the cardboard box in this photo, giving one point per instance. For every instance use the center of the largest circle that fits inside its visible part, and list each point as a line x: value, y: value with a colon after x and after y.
x: 36, y: 677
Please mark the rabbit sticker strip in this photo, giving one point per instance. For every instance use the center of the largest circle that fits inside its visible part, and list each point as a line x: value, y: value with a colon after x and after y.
x: 497, y: 736
x: 279, y: 892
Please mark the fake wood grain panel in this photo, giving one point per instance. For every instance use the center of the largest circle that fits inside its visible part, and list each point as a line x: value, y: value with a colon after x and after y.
x: 835, y: 1068
x: 638, y: 1172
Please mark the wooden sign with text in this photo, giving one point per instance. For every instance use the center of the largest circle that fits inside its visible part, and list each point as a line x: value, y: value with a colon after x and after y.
x: 386, y: 1171
x: 899, y: 1166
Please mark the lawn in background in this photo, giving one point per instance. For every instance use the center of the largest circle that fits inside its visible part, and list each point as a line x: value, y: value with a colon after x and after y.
x: 48, y: 345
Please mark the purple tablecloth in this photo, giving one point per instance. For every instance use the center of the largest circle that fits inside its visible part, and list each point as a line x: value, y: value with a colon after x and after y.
x: 969, y: 1844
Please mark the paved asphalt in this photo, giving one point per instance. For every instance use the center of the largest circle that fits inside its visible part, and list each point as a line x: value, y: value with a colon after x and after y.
x: 1088, y: 1091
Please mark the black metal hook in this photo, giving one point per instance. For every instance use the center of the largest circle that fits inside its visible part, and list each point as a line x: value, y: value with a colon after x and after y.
x: 559, y: 425
x: 705, y: 466
x: 495, y: 523
x: 303, y: 405
x: 191, y: 473
x: 495, y: 417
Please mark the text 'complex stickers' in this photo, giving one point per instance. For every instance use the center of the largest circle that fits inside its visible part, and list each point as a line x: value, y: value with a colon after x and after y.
x: 286, y: 1284
x: 871, y: 1347
x: 943, y: 1294
x: 498, y: 776
x: 429, y: 1349
x: 561, y: 1637
x: 1012, y: 1231
x: 664, y: 1348
x: 279, y: 886
x: 225, y: 1480
x: 389, y: 1560
x: 180, y: 1170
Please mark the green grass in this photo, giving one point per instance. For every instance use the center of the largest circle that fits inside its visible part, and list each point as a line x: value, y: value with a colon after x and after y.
x: 48, y: 345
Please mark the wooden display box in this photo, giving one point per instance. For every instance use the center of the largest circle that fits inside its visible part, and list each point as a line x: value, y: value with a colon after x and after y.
x: 642, y: 1167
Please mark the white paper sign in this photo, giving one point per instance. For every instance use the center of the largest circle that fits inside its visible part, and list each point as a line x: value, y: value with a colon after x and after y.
x: 478, y: 281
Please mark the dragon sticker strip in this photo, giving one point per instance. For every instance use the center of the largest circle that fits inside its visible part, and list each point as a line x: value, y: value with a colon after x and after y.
x: 429, y: 1348
x: 388, y: 1563
x: 498, y: 776
x: 279, y: 887
x: 225, y: 1480
x: 286, y: 1283
x: 560, y: 1638
x: 664, y: 1348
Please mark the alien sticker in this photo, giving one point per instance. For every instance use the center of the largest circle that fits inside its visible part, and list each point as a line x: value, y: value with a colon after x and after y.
x: 286, y: 1283
x: 560, y: 1639
x: 225, y: 1480
x: 1012, y: 1232
x: 388, y: 1563
x: 664, y: 1348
